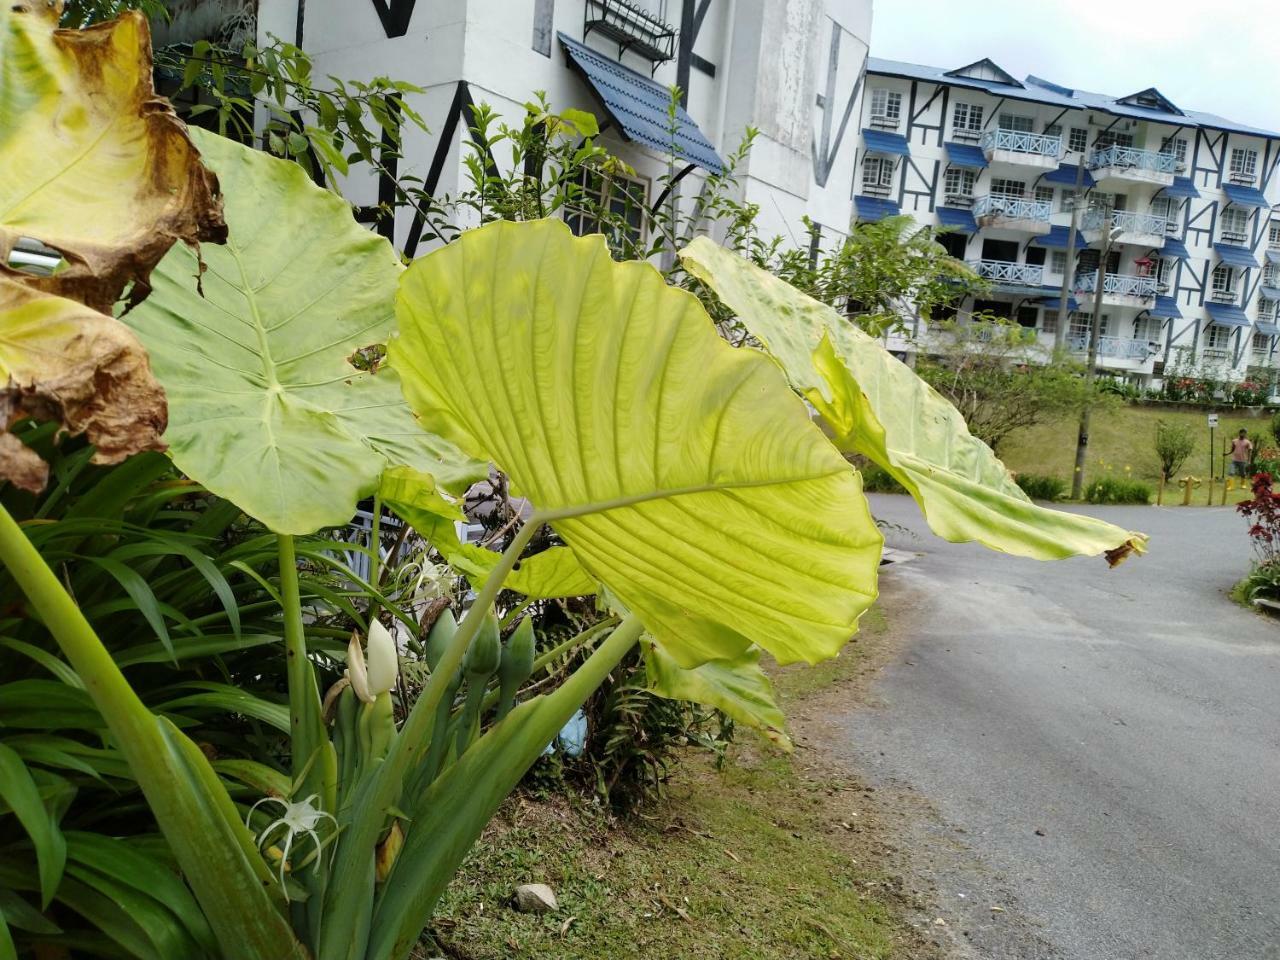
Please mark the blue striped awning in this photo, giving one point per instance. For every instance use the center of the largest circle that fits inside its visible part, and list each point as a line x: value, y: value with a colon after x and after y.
x: 1273, y: 256
x: 638, y: 107
x: 1244, y: 196
x: 882, y: 141
x: 1053, y: 303
x: 1056, y: 238
x: 1173, y: 247
x: 1235, y: 256
x: 958, y: 219
x: 871, y: 209
x: 1271, y: 293
x: 1066, y: 174
x: 1166, y: 307
x: 966, y: 155
x: 1182, y: 188
x: 1270, y: 329
x: 1227, y: 314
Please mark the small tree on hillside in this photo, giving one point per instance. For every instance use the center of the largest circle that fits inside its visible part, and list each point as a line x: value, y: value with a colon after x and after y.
x: 1174, y: 443
x: 986, y: 369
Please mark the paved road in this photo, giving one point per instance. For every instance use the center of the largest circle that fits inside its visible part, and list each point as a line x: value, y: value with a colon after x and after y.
x: 1131, y: 715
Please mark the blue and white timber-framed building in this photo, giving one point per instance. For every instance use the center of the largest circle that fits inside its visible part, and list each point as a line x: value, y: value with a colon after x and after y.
x: 1193, y: 279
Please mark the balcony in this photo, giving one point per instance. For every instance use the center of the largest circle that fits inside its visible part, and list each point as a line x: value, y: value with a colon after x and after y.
x: 1131, y: 165
x: 1140, y: 229
x: 1120, y: 289
x: 1223, y: 296
x: 1115, y: 348
x: 1007, y: 272
x: 1024, y: 149
x: 1012, y: 213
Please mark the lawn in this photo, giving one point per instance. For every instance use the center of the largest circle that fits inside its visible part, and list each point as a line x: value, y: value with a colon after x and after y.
x: 763, y: 857
x: 1123, y: 438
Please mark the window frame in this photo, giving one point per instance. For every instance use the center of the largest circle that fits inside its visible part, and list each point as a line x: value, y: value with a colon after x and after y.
x: 636, y: 188
x: 1243, y: 165
x: 1020, y: 123
x: 1216, y: 332
x: 973, y: 118
x: 885, y: 168
x: 890, y: 111
x: 1229, y: 215
x: 1080, y: 136
x: 1000, y: 192
x: 1058, y: 262
x: 1223, y: 279
x: 967, y: 180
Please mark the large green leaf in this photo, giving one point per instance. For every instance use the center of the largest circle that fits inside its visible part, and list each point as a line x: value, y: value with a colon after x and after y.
x: 19, y: 791
x: 876, y: 406
x: 738, y: 688
x: 265, y: 407
x: 684, y: 473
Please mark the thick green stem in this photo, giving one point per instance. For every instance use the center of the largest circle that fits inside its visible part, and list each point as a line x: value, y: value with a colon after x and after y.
x: 194, y: 811
x: 365, y: 816
x: 306, y: 727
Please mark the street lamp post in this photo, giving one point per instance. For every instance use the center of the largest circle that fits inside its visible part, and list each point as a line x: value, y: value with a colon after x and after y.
x: 1069, y: 274
x: 1091, y: 358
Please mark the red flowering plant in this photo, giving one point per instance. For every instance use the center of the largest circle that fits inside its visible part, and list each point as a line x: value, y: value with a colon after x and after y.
x: 1249, y: 393
x: 1263, y: 512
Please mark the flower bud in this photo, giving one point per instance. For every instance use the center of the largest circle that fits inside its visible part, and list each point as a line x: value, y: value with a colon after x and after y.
x: 384, y: 664
x: 356, y: 672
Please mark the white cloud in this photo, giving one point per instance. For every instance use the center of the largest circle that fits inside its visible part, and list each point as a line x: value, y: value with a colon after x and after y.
x: 1222, y: 58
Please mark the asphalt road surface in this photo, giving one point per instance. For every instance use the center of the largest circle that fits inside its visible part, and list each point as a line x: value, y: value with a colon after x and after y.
x: 1105, y: 742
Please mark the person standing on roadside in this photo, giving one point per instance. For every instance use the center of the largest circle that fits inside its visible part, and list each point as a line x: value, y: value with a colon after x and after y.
x: 1241, y: 454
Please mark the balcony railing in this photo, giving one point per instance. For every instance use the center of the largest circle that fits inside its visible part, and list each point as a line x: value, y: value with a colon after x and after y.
x: 1234, y: 237
x: 959, y: 200
x: 1129, y: 222
x: 1005, y: 271
x: 1016, y: 141
x: 1214, y: 355
x: 1223, y: 296
x: 1131, y: 158
x: 1120, y: 284
x: 1117, y: 348
x: 1011, y: 208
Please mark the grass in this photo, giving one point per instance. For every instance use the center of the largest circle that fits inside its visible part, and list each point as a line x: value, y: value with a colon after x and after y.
x: 1124, y: 438
x: 757, y: 859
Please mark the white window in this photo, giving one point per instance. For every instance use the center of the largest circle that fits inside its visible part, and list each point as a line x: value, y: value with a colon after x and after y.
x: 1068, y: 200
x: 1217, y: 336
x: 1166, y: 207
x: 1081, y: 322
x: 966, y: 118
x: 1177, y: 146
x: 1235, y: 225
x: 1053, y: 129
x: 1270, y: 273
x: 1244, y: 164
x: 1044, y: 194
x: 1224, y: 280
x: 1049, y: 321
x: 877, y: 174
x: 1014, y: 121
x: 1008, y: 188
x: 1058, y: 262
x: 1078, y: 139
x: 1107, y: 138
x: 1164, y: 269
x: 621, y: 198
x: 1273, y: 235
x: 1262, y: 342
x: 958, y: 183
x: 1147, y: 328
x: 886, y: 107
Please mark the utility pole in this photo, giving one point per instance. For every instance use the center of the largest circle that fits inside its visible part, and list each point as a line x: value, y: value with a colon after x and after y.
x: 1069, y: 274
x: 1091, y: 361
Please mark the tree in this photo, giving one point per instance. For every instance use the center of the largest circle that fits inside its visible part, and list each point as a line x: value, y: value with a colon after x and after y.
x: 882, y: 274
x: 1173, y: 443
x: 988, y: 371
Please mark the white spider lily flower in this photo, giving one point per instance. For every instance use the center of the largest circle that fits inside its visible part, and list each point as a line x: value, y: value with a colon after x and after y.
x: 356, y: 671
x: 384, y: 664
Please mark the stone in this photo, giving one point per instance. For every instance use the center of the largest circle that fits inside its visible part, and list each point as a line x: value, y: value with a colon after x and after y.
x: 535, y: 898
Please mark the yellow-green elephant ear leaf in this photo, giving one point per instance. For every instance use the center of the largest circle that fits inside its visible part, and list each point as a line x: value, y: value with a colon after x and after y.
x: 876, y: 406
x: 684, y: 474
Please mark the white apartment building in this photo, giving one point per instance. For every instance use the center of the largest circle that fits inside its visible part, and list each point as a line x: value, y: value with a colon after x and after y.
x: 1193, y: 277
x: 792, y: 69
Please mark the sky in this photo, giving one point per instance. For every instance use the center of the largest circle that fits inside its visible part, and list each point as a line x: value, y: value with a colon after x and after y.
x: 1219, y: 56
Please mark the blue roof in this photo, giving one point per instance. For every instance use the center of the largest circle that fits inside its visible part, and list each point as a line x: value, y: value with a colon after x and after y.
x: 1056, y: 238
x: 1235, y: 256
x: 1227, y: 314
x: 1037, y: 90
x: 871, y: 209
x: 966, y: 155
x: 1066, y: 173
x: 1173, y: 247
x: 638, y: 105
x: 958, y: 218
x: 1244, y: 196
x: 882, y: 141
x: 1270, y: 329
x: 1054, y: 303
x: 1271, y: 293
x: 1181, y: 187
x: 1273, y: 256
x: 1166, y: 307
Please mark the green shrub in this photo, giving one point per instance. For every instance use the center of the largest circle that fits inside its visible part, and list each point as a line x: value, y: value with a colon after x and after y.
x: 1275, y: 426
x: 876, y: 479
x: 1173, y: 444
x: 1117, y: 490
x: 1042, y: 488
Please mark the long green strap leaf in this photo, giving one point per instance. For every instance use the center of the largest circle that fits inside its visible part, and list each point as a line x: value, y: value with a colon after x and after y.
x: 19, y: 791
